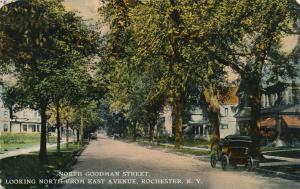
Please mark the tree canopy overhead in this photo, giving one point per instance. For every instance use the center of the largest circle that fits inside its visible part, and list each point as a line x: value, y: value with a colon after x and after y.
x: 49, y: 49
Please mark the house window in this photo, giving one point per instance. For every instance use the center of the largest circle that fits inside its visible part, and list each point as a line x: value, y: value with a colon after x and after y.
x: 5, y: 127
x: 32, y: 128
x: 290, y: 97
x: 37, y: 128
x: 224, y: 126
x: 6, y: 114
x: 266, y: 100
x: 25, y: 128
x: 295, y: 95
x: 226, y: 112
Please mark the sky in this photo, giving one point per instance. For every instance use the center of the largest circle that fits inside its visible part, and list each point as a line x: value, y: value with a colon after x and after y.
x: 86, y: 8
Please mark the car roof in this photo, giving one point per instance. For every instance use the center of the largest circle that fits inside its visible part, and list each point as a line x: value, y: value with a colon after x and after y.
x: 237, y: 137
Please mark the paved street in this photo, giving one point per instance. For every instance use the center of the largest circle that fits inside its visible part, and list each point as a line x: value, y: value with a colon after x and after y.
x: 107, y: 155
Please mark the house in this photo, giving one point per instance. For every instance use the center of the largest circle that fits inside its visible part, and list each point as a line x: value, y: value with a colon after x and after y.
x: 280, y: 112
x: 165, y: 121
x: 4, y: 115
x: 199, y: 125
x: 26, y: 120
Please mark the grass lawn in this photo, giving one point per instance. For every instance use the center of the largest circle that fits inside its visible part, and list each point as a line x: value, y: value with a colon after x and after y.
x: 189, y: 151
x: 13, y: 141
x: 197, y: 142
x: 28, y: 166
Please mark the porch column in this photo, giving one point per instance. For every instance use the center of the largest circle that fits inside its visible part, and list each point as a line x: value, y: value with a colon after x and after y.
x: 278, y: 125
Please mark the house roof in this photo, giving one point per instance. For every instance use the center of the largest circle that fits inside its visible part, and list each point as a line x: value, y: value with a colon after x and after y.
x: 198, y: 122
x: 290, y: 108
x: 292, y: 121
x: 231, y: 98
x: 268, y: 123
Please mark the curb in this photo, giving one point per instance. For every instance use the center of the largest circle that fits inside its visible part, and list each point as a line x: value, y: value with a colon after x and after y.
x: 278, y: 174
x: 74, y: 160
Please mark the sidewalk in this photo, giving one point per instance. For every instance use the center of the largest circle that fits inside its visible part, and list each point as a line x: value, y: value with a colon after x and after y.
x: 26, y: 150
x: 188, y: 147
x: 284, y: 161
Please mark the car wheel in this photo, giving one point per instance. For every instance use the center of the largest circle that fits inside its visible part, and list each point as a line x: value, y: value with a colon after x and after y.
x: 213, y: 160
x: 225, y: 162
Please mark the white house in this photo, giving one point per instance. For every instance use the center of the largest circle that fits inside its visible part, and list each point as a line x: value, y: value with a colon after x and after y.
x: 280, y: 111
x: 26, y: 120
x: 228, y: 125
x: 166, y: 120
x: 199, y: 124
x: 4, y: 115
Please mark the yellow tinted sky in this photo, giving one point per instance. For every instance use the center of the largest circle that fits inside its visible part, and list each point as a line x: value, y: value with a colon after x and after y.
x: 86, y: 8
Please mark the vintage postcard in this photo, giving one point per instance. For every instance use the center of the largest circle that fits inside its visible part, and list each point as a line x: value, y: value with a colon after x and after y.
x: 162, y: 94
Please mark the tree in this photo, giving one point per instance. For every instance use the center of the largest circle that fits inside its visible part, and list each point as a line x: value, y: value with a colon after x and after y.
x: 69, y: 87
x: 242, y: 35
x: 42, y: 40
x: 162, y: 41
x: 128, y: 90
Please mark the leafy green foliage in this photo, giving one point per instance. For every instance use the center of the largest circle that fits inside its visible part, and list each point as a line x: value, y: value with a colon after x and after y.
x: 128, y: 89
x: 50, y: 49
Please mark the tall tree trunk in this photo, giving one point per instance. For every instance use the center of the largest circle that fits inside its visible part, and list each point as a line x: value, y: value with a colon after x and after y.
x: 58, y: 126
x: 11, y: 116
x: 255, y: 104
x: 134, y: 131
x: 81, y: 127
x: 212, y: 108
x: 151, y: 132
x: 77, y: 135
x: 213, y: 117
x: 43, y: 139
x: 67, y: 133
x: 178, y: 122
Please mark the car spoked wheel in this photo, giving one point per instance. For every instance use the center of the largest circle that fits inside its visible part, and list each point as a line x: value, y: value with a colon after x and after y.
x: 225, y: 162
x: 213, y: 160
x: 250, y: 164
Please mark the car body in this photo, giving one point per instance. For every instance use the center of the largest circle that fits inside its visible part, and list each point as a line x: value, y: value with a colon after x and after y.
x: 234, y: 150
x: 93, y: 136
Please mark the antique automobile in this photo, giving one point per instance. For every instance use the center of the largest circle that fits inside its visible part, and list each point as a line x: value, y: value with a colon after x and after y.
x: 234, y: 150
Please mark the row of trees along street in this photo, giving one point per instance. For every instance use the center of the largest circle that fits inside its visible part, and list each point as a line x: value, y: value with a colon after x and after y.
x: 156, y: 53
x: 176, y: 52
x: 48, y: 49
